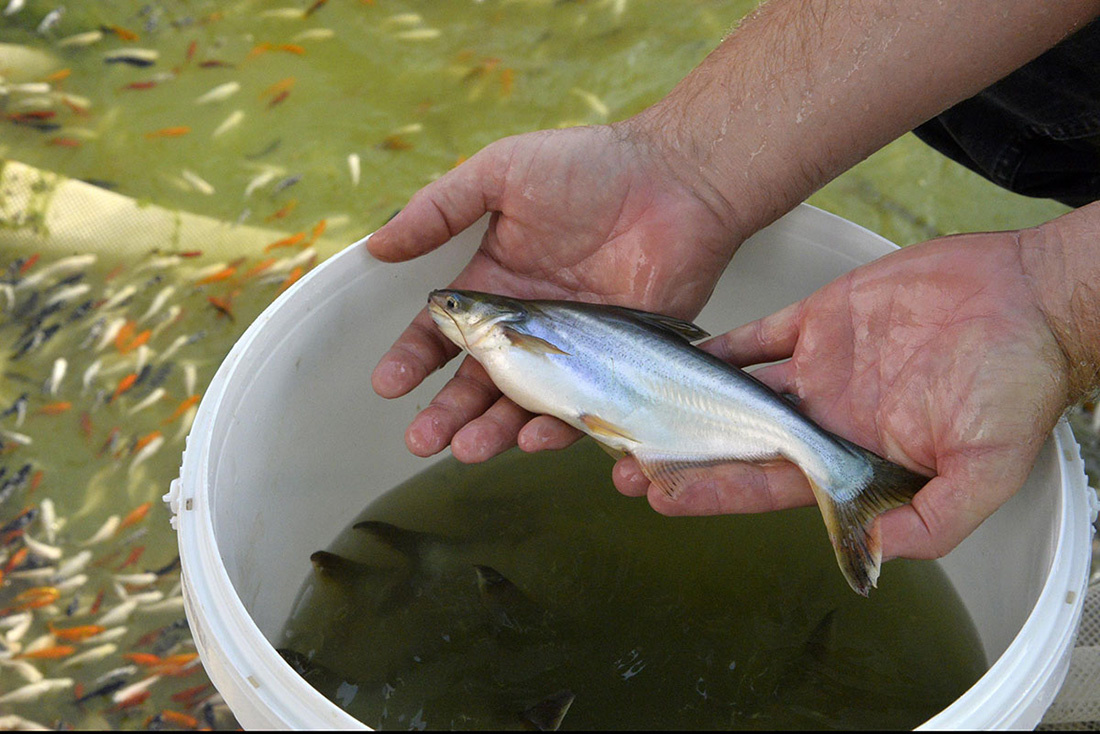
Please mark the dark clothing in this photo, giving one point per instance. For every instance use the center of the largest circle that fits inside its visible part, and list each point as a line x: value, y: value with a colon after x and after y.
x: 1037, y: 131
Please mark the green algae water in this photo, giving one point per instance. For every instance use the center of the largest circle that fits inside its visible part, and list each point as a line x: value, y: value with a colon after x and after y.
x: 492, y: 596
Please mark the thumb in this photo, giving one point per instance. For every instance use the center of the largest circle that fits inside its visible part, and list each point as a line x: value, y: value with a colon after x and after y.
x: 443, y: 208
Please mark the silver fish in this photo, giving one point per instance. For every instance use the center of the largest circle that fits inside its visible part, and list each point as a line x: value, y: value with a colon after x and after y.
x: 633, y: 381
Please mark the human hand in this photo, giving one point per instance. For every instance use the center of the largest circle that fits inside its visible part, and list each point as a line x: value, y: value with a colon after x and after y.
x: 939, y: 357
x: 598, y: 214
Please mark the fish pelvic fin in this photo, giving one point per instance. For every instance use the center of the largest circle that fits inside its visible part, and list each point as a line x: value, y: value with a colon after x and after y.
x: 531, y: 343
x: 853, y: 524
x: 601, y: 429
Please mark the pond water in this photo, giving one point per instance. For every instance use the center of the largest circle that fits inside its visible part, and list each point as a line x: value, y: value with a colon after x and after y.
x: 303, y: 125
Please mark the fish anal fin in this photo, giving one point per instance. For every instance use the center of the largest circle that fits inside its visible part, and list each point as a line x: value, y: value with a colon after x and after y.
x: 533, y: 344
x: 672, y: 473
x: 601, y: 429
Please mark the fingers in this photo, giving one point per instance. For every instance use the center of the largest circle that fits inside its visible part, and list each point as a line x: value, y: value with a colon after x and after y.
x: 491, y: 433
x: 467, y: 396
x: 942, y: 514
x: 420, y: 350
x: 765, y: 340
x: 736, y: 487
x: 443, y: 208
x: 546, y: 433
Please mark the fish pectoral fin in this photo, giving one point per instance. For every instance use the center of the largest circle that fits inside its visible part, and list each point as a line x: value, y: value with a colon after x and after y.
x: 531, y: 343
x: 611, y: 451
x: 601, y: 429
x: 672, y: 473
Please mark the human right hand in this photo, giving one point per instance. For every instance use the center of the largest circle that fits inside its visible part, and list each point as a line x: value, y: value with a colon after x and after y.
x: 599, y: 214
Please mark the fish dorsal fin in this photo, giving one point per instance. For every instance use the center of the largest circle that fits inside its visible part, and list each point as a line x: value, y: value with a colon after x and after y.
x: 677, y: 327
x: 531, y: 343
x: 547, y: 714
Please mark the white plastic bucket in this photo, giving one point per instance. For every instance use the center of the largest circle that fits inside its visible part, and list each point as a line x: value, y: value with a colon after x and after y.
x: 289, y: 427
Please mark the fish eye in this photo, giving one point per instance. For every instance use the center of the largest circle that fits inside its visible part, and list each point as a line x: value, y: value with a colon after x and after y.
x: 452, y: 303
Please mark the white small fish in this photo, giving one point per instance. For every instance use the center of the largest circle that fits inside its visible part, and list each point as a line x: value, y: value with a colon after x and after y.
x: 167, y: 320
x: 235, y: 118
x: 82, y: 39
x: 34, y: 691
x: 108, y: 635
x: 9, y: 294
x: 197, y: 182
x: 136, y: 579
x: 42, y: 550
x: 174, y: 347
x: 158, y: 302
x: 151, y: 399
x: 219, y: 93
x: 74, y: 565
x: 419, y: 34
x: 119, y: 614
x: 261, y: 180
x: 185, y: 424
x: 57, y: 374
x: 401, y: 19
x: 39, y: 643
x: 160, y: 263
x: 132, y: 56
x: 105, y: 531
x: 124, y: 672
x: 146, y: 453
x: 284, y: 13
x: 67, y: 294
x: 11, y: 722
x: 25, y: 670
x: 72, y: 583
x: 353, y: 168
x: 47, y: 518
x: 200, y: 273
x: 14, y: 7
x: 119, y: 297
x: 34, y: 574
x: 132, y: 690
x: 315, y: 34
x: 60, y: 268
x: 109, y: 332
x: 50, y: 21
x: 171, y: 604
x: 91, y: 655
x: 20, y: 438
x: 12, y: 621
x: 594, y: 103
x: 190, y: 377
x: 90, y: 374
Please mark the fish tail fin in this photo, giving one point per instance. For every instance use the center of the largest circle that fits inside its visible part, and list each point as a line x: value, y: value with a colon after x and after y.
x: 853, y: 523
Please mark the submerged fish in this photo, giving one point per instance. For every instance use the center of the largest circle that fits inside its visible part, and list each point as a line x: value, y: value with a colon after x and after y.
x: 633, y: 381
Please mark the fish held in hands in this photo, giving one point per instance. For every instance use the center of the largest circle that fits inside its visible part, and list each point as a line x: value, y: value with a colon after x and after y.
x: 633, y: 381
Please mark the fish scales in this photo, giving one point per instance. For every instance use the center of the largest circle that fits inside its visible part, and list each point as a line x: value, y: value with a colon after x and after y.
x: 634, y: 382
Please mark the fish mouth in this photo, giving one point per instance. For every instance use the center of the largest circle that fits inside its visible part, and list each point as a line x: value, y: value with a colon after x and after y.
x: 438, y: 312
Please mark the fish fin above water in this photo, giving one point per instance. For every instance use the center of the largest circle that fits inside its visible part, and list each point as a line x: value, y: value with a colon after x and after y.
x: 547, y: 714
x: 672, y: 473
x: 853, y: 524
x: 603, y: 429
x: 531, y: 343
x: 677, y: 327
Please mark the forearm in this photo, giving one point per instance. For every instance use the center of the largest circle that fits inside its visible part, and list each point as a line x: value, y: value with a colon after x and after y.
x: 1061, y: 260
x: 804, y: 89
